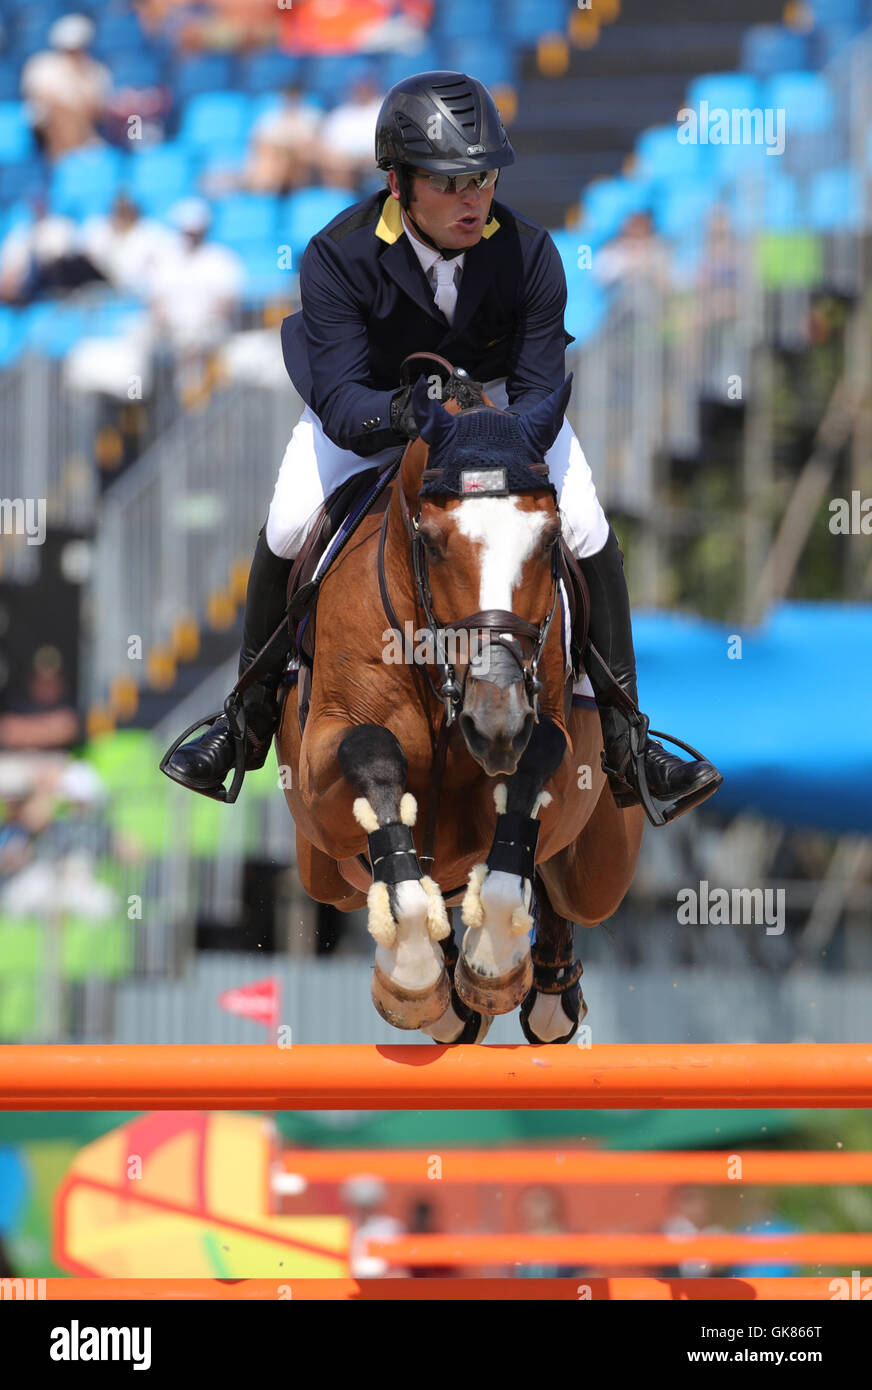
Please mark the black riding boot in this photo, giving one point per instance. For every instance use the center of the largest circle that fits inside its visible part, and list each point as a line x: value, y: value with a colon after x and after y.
x: 203, y: 763
x: 669, y: 778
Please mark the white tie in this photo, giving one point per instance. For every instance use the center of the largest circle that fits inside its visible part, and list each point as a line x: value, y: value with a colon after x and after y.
x: 446, y: 290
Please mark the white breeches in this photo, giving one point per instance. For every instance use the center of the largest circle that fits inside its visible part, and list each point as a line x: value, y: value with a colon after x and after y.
x: 313, y: 467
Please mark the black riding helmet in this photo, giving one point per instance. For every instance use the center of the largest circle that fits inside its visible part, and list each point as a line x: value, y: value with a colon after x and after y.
x: 445, y: 122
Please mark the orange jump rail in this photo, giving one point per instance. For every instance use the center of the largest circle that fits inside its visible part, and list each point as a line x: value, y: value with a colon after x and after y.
x: 422, y: 1077
x: 579, y: 1166
x: 382, y: 1290
x: 849, y: 1250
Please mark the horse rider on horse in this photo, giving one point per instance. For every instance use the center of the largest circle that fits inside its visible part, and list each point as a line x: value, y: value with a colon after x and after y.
x: 433, y: 263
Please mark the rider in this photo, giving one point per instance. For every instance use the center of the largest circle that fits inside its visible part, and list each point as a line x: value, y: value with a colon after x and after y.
x: 433, y: 263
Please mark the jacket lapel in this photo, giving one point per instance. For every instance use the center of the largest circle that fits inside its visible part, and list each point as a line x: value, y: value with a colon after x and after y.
x: 401, y: 263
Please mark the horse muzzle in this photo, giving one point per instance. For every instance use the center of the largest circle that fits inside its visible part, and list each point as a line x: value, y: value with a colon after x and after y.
x: 497, y: 719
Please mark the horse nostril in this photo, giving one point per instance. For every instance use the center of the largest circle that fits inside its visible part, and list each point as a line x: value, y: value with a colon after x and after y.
x: 520, y: 741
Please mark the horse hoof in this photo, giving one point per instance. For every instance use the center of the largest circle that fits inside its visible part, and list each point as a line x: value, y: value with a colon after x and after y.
x: 410, y: 1008
x: 493, y: 994
x: 573, y: 1007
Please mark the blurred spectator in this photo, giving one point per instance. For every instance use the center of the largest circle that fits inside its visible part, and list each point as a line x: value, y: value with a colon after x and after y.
x: 346, y: 140
x: 44, y: 717
x: 281, y: 145
x: 689, y: 1217
x: 353, y: 26
x: 41, y: 256
x: 365, y: 1197
x: 423, y: 1222
x: 66, y: 88
x: 127, y: 248
x: 637, y: 256
x: 216, y: 25
x: 541, y: 1212
x: 195, y: 294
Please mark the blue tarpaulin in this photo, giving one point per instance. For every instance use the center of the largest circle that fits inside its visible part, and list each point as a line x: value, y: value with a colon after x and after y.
x: 787, y: 717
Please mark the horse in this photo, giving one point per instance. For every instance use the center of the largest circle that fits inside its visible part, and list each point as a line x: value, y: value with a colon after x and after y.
x: 521, y: 827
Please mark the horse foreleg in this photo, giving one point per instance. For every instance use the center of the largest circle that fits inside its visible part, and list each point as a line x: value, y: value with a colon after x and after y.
x: 555, y: 1005
x: 407, y: 916
x: 495, y: 970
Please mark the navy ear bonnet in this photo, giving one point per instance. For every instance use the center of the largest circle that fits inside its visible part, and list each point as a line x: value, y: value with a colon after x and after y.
x: 484, y: 452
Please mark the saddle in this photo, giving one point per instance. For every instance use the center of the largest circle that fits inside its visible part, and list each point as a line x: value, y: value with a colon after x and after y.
x: 335, y: 523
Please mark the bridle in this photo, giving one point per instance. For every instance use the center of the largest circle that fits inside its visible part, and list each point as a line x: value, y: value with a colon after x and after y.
x: 504, y: 629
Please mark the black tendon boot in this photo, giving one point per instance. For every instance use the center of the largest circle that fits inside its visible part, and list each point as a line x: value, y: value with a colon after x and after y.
x: 625, y: 729
x: 203, y: 763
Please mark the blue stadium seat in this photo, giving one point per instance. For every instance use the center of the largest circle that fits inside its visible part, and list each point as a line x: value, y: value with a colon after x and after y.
x: 453, y: 17
x: 838, y: 11
x: 216, y: 118
x: 724, y: 89
x: 527, y: 20
x: 772, y: 206
x: 54, y: 327
x: 829, y: 40
x: 118, y: 32
x: 159, y: 176
x: 607, y: 203
x: 138, y: 69
x: 86, y: 181
x: 332, y: 75
x: 21, y: 180
x: 585, y: 309
x: 306, y: 212
x: 806, y: 99
x: 835, y: 201
x: 269, y: 72
x: 492, y: 61
x: 662, y: 156
x: 263, y: 278
x: 395, y: 66
x: 209, y: 72
x: 682, y: 208
x: 9, y: 80
x: 246, y: 218
x: 16, y: 138
x: 768, y: 49
x: 11, y: 335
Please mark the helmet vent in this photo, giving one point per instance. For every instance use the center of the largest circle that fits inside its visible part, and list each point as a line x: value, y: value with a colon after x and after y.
x: 459, y: 100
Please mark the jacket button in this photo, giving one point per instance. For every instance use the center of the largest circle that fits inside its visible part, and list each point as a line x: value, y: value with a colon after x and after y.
x: 371, y: 424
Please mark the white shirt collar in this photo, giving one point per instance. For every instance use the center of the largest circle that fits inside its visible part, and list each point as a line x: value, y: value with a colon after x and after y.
x: 427, y: 255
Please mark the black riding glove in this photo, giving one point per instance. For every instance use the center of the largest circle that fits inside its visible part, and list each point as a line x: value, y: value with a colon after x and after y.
x: 403, y: 414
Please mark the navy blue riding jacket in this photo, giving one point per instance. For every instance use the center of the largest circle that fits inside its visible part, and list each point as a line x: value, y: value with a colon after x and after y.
x: 367, y: 304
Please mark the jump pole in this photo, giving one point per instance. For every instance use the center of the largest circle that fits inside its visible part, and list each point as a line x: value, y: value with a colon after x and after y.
x: 422, y: 1077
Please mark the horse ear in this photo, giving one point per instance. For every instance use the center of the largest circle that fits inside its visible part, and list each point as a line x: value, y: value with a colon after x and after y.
x: 436, y: 425
x: 543, y: 423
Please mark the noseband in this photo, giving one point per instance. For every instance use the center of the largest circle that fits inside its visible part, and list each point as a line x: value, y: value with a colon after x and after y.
x: 504, y: 629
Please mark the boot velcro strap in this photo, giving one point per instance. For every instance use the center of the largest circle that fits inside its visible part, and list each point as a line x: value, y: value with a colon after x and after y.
x: 553, y: 977
x: 514, y: 845
x: 392, y: 854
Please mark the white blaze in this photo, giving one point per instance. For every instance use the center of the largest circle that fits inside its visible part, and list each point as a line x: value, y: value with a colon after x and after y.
x: 507, y: 536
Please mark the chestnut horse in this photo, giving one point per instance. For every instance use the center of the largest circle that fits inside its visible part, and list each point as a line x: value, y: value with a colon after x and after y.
x: 469, y: 526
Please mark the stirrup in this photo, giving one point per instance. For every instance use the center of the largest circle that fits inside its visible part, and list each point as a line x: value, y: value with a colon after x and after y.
x: 238, y: 723
x: 626, y: 795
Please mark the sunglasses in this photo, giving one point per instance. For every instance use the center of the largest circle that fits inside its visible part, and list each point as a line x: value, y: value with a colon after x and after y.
x: 458, y: 183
